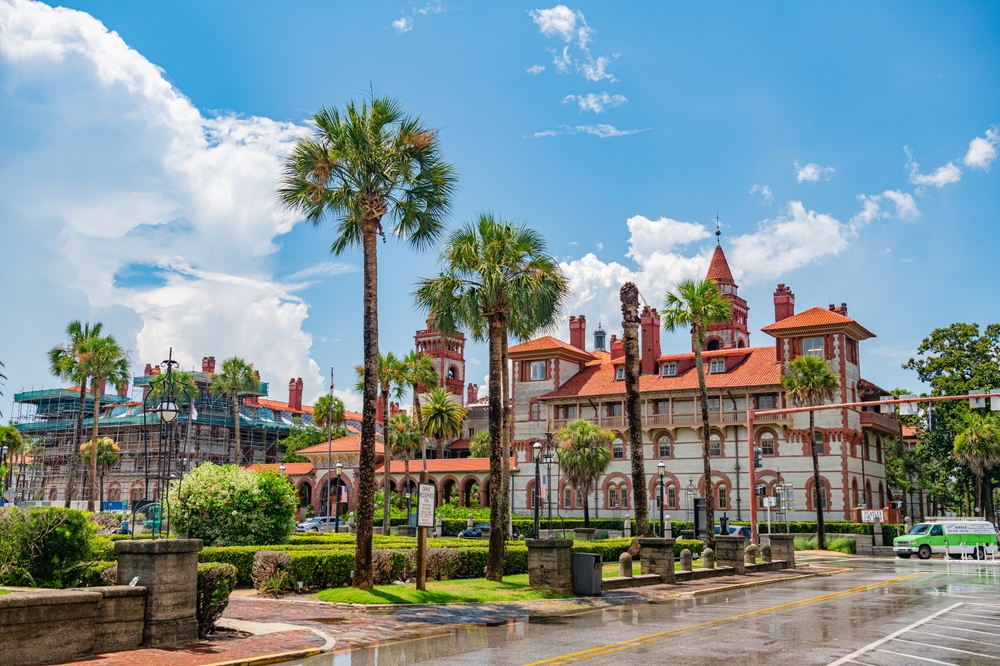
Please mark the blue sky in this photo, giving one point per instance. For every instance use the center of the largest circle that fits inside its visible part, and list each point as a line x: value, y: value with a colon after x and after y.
x: 848, y: 150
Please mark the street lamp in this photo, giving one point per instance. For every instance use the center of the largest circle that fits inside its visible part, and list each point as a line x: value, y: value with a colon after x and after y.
x: 690, y: 491
x: 661, y: 466
x: 167, y: 411
x: 409, y: 494
x: 549, y: 460
x: 536, y: 455
x: 281, y: 468
x: 336, y: 510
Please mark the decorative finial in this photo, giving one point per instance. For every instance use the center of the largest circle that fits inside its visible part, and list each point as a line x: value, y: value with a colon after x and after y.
x: 718, y: 231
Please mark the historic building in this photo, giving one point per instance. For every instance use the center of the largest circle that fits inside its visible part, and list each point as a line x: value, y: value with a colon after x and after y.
x: 556, y: 382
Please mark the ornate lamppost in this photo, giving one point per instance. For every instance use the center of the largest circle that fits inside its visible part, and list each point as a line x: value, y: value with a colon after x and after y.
x: 661, y: 466
x: 536, y: 455
x: 336, y: 510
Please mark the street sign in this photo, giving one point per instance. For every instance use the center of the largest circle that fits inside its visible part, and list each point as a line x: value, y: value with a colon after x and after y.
x: 426, y: 503
x: 769, y: 502
x: 872, y: 516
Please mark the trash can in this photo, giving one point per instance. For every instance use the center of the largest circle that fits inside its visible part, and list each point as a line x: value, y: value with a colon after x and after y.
x: 587, y: 568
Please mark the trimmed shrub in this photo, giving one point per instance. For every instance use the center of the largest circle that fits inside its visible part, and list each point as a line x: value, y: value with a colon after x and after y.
x: 96, y: 574
x: 231, y: 506
x: 44, y: 546
x: 215, y: 582
x: 270, y: 572
x: 809, y: 527
x: 694, y: 545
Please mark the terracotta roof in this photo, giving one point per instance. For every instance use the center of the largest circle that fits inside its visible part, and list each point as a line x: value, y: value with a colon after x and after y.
x: 485, y: 400
x: 442, y: 465
x: 910, y: 431
x: 459, y: 444
x: 759, y: 368
x: 343, y: 445
x: 548, y: 343
x: 291, y: 469
x: 818, y: 318
x: 719, y: 268
x: 283, y: 406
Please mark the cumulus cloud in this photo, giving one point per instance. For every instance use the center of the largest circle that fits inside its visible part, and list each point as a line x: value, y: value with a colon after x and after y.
x: 535, y: 69
x: 871, y: 207
x: 140, y: 183
x: 570, y: 26
x: 812, y: 172
x: 982, y: 151
x: 765, y: 193
x: 949, y: 173
x: 403, y: 24
x: 594, y: 102
x: 599, y: 130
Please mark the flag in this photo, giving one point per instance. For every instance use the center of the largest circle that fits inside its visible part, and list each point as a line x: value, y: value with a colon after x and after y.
x: 194, y: 412
x: 541, y: 489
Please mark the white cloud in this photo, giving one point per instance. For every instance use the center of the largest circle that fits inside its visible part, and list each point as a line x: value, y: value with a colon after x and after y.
x: 564, y: 23
x: 324, y: 269
x: 982, y: 151
x: 812, y: 172
x: 765, y: 193
x: 431, y: 8
x: 599, y: 130
x: 148, y: 186
x: 906, y: 207
x: 403, y: 24
x: 535, y: 69
x: 949, y: 173
x: 871, y: 207
x: 596, y: 70
x: 594, y: 102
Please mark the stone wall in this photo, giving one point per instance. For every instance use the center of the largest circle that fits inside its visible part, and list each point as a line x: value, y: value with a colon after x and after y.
x: 729, y: 553
x: 657, y: 557
x: 550, y: 564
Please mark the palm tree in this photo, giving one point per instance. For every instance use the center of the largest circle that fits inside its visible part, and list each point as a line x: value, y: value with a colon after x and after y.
x: 237, y: 377
x: 359, y: 166
x: 978, y: 448
x: 108, y: 453
x: 629, y: 295
x: 182, y: 389
x: 443, y: 417
x: 64, y: 363
x: 494, y: 274
x: 808, y: 382
x: 584, y: 454
x: 12, y: 440
x: 321, y: 411
x: 479, y: 445
x: 696, y: 306
x: 420, y: 372
x: 402, y: 442
x: 103, y: 360
x: 391, y: 383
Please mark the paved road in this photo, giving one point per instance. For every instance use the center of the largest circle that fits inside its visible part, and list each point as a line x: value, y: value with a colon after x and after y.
x: 881, y: 613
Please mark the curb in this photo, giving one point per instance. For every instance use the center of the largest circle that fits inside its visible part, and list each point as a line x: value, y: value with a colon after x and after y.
x: 273, y: 658
x: 759, y: 583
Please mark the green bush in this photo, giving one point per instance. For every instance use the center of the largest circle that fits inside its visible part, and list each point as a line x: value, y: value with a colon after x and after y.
x: 838, y: 544
x: 696, y: 546
x: 231, y: 506
x: 215, y: 582
x: 44, y: 546
x: 809, y: 527
x: 92, y: 574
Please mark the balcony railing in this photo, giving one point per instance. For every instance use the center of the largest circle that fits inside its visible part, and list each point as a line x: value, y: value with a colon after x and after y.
x: 881, y: 422
x: 656, y: 420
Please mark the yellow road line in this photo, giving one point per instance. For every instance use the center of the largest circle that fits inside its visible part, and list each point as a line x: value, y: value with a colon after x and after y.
x: 611, y: 648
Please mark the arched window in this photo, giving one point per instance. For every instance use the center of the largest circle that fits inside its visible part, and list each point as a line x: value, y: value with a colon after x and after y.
x: 854, y: 492
x: 722, y: 496
x: 623, y: 489
x: 767, y: 444
x: 452, y: 372
x: 868, y: 494
x: 663, y: 446
x: 618, y: 449
x: 613, y: 497
x: 579, y: 500
x: 568, y: 498
x: 821, y: 495
x: 878, y: 449
x: 881, y: 496
x: 671, y: 496
x: 713, y: 345
x: 715, y: 445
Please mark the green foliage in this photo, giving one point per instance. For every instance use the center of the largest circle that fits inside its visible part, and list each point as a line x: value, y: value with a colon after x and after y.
x: 301, y: 438
x: 215, y: 583
x: 809, y: 527
x: 839, y: 544
x: 322, y: 412
x: 584, y: 453
x: 479, y: 445
x: 44, y: 546
x: 94, y: 574
x: 233, y: 506
x: 696, y: 546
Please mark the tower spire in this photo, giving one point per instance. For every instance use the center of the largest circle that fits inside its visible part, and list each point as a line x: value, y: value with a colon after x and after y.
x: 718, y: 231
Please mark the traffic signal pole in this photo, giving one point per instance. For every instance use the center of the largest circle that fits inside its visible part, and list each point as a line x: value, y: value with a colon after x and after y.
x: 751, y: 444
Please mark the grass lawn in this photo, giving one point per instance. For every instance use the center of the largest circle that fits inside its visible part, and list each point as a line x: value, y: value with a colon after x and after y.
x: 513, y: 588
x: 611, y: 570
x: 3, y: 592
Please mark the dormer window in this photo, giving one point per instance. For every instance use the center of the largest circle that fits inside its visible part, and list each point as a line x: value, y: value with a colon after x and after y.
x: 812, y: 347
x: 717, y: 366
x: 620, y: 373
x: 537, y: 370
x: 668, y: 370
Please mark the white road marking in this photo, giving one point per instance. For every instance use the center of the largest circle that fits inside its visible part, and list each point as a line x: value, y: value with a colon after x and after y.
x: 872, y: 646
x: 975, y: 631
x: 956, y: 638
x: 981, y: 624
x: 913, y: 656
x: 941, y: 647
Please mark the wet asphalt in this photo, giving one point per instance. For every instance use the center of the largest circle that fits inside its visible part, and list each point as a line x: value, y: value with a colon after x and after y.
x: 881, y: 613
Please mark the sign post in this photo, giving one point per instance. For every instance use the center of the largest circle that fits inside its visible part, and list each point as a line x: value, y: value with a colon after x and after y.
x: 426, y: 503
x: 769, y: 502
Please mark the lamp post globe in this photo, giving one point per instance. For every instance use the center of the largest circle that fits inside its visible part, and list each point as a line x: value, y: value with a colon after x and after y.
x: 168, y: 411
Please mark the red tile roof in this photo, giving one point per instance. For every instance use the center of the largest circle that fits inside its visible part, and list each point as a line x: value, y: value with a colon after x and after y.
x: 759, y: 368
x: 719, y: 268
x: 548, y: 343
x: 347, y: 444
x: 291, y: 469
x: 283, y: 406
x: 443, y: 465
x: 818, y: 318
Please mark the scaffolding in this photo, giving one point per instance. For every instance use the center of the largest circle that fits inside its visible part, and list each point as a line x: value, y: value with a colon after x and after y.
x: 151, y: 452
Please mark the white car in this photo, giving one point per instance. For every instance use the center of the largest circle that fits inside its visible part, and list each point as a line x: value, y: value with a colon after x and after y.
x: 317, y: 524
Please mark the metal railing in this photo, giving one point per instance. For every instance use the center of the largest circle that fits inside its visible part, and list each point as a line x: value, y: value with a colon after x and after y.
x: 656, y: 420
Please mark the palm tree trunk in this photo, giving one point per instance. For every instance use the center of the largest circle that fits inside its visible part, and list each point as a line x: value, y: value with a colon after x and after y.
x: 586, y: 512
x: 629, y: 295
x: 706, y: 438
x: 74, y: 456
x: 386, y: 466
x: 92, y: 490
x: 494, y: 558
x: 507, y: 432
x: 440, y: 447
x: 366, y: 461
x: 420, y: 430
x: 979, y: 494
x: 820, y: 527
x: 238, y: 445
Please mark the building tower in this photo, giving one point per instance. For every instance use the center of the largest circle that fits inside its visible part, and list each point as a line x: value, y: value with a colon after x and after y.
x: 732, y: 334
x: 600, y: 337
x: 448, y: 352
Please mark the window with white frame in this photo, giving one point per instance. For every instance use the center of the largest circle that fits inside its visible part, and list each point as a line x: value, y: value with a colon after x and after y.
x: 671, y: 497
x: 613, y: 497
x: 715, y: 446
x: 620, y: 372
x: 714, y: 404
x: 624, y: 495
x: 812, y: 347
x: 717, y: 366
x: 664, y: 446
x: 722, y: 497
x: 819, y: 444
x: 668, y: 370
x: 579, y: 498
x: 618, y: 449
x: 767, y: 444
x: 536, y: 411
x: 537, y: 370
x: 568, y: 497
x: 765, y: 402
x: 821, y: 495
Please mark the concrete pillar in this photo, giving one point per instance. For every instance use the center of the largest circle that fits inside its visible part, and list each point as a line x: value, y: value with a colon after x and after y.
x: 783, y: 548
x: 685, y: 560
x: 729, y: 553
x: 584, y: 533
x: 550, y: 564
x: 765, y: 553
x: 708, y: 558
x: 657, y: 557
x: 168, y: 569
x: 625, y: 565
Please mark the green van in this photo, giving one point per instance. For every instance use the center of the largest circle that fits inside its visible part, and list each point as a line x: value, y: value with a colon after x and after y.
x: 954, y: 538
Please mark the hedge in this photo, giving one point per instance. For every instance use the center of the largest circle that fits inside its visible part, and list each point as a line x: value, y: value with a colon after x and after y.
x: 91, y: 575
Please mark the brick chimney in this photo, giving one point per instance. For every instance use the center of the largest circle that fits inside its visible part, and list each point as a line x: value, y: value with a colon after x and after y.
x: 208, y: 365
x: 148, y: 372
x: 393, y: 409
x: 617, y: 347
x: 578, y: 332
x: 472, y: 394
x: 784, y: 303
x: 379, y: 413
x: 123, y: 391
x: 841, y: 309
x: 295, y: 394
x: 649, y: 324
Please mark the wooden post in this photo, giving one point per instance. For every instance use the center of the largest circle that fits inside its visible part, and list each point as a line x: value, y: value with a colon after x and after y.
x: 421, y: 544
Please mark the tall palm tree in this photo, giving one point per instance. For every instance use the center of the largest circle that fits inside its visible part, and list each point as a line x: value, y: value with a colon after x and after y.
x: 978, y: 448
x: 360, y: 166
x: 103, y: 360
x: 108, y: 453
x: 237, y: 377
x: 13, y: 441
x: 629, y: 295
x: 391, y: 383
x: 443, y: 417
x: 402, y: 441
x: 64, y: 363
x: 479, y: 445
x: 184, y: 391
x: 584, y: 454
x: 493, y: 274
x: 420, y: 372
x: 696, y: 305
x: 321, y: 411
x: 809, y: 382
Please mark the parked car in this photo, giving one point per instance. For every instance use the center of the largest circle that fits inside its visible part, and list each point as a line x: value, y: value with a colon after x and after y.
x: 476, y: 532
x: 954, y: 538
x: 736, y: 530
x: 317, y: 524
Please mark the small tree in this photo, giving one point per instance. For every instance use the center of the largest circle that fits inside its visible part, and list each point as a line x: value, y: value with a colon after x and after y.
x: 402, y: 442
x: 108, y: 453
x: 103, y: 360
x: 978, y: 448
x: 237, y: 377
x: 443, y: 417
x: 419, y: 371
x: 584, y: 454
x: 479, y: 445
